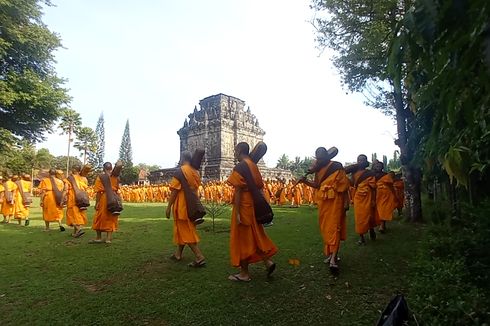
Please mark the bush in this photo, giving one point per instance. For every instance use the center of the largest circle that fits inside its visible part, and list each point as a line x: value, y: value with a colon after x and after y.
x: 450, y: 281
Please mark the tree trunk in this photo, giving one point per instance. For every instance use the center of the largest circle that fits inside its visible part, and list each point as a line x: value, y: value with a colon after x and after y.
x: 68, y: 154
x: 413, y: 174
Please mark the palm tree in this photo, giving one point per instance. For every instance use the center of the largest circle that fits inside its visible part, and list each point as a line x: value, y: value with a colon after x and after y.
x: 86, y: 142
x: 283, y: 162
x: 69, y: 124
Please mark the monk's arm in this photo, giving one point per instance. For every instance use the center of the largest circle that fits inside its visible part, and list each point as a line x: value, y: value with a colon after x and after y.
x: 309, y: 183
x: 171, y: 202
x: 238, y: 194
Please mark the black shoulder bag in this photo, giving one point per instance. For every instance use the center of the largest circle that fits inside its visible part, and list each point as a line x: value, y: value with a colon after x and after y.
x: 262, y: 209
x: 26, y: 196
x: 58, y: 194
x: 114, y: 201
x: 81, y: 197
x: 195, y: 209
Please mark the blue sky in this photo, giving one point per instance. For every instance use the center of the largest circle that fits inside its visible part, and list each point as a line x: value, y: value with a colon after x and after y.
x: 152, y: 61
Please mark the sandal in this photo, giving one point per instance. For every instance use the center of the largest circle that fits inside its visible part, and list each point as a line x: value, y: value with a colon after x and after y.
x: 197, y: 264
x: 372, y: 234
x: 271, y: 269
x: 237, y: 278
x: 79, y: 234
x: 334, y: 269
x: 95, y: 241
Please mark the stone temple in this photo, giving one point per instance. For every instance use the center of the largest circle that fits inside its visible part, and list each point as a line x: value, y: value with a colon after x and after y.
x: 221, y: 122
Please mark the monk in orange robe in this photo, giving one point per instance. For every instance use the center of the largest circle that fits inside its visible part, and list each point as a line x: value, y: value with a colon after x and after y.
x: 184, y: 230
x: 104, y: 220
x: 8, y: 203
x: 76, y: 216
x: 385, y: 196
x: 52, y: 200
x: 399, y: 186
x: 297, y: 194
x: 332, y: 184
x: 248, y: 241
x: 364, y: 198
x: 23, y: 199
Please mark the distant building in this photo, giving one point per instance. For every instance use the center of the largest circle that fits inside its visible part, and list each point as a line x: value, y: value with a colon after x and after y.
x: 218, y: 125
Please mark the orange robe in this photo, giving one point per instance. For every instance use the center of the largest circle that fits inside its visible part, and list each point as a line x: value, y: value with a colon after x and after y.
x: 184, y: 229
x: 330, y: 198
x: 385, y: 198
x: 248, y: 240
x: 104, y: 220
x: 8, y: 209
x: 21, y: 211
x: 74, y: 215
x: 282, y: 196
x: 399, y: 186
x: 297, y: 196
x: 51, y: 211
x: 364, y: 214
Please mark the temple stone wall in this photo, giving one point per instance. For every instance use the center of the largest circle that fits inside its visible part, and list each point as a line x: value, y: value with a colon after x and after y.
x: 219, y: 124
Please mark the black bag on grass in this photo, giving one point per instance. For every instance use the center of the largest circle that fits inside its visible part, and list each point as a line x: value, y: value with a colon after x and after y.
x: 395, y: 313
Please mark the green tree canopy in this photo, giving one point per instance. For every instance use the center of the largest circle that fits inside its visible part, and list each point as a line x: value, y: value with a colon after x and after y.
x: 86, y: 142
x: 31, y: 94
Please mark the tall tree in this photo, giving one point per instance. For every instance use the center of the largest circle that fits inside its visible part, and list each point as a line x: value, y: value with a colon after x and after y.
x: 441, y: 54
x: 125, y: 150
x: 362, y: 33
x: 86, y: 142
x: 31, y: 94
x: 69, y: 124
x: 98, y: 159
x: 129, y: 173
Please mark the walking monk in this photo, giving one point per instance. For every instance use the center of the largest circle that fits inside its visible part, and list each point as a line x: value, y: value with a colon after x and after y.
x: 364, y: 199
x: 107, y: 204
x: 23, y: 199
x: 52, y: 200
x: 248, y: 241
x: 76, y: 211
x: 184, y: 229
x: 8, y: 203
x: 399, y: 186
x: 332, y: 184
x: 385, y: 196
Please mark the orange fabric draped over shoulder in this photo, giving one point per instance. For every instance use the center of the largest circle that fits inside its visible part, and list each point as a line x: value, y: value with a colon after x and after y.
x: 364, y: 214
x: 8, y: 209
x: 184, y: 230
x: 21, y: 211
x: 248, y: 240
x: 75, y: 216
x: 51, y: 211
x: 385, y: 198
x: 331, y: 210
x: 104, y: 220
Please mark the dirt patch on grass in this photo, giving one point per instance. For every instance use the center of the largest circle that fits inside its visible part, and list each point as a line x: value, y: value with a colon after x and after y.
x: 97, y: 286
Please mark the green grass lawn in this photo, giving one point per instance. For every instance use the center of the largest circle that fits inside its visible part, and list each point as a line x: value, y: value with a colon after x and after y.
x: 48, y: 278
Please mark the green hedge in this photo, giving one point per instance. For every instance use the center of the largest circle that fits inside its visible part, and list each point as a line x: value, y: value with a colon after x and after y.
x: 450, y: 278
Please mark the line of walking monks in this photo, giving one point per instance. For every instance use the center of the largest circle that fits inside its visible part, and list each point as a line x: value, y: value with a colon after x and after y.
x: 374, y: 194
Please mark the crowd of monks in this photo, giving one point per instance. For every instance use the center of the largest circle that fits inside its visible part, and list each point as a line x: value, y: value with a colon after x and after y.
x: 276, y: 192
x: 373, y: 193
